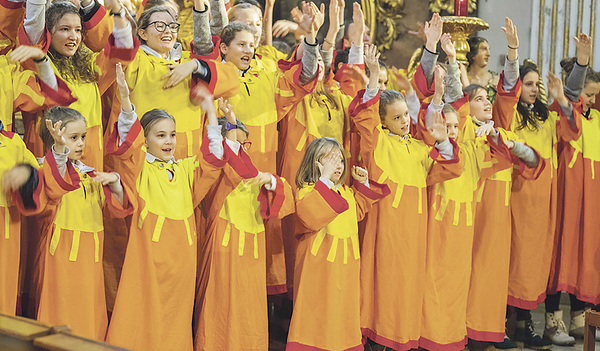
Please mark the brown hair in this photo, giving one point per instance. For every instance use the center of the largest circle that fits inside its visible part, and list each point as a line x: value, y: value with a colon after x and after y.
x: 472, y: 90
x: 386, y: 98
x: 591, y: 76
x: 151, y: 117
x: 55, y: 114
x: 232, y: 29
x: 144, y: 19
x: 474, y: 43
x: 539, y: 112
x: 319, y: 90
x: 309, y: 172
x: 80, y: 66
x: 223, y: 122
x: 234, y: 11
x: 448, y: 108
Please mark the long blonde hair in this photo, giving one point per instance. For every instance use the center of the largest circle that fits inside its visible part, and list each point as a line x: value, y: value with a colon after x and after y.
x: 309, y: 172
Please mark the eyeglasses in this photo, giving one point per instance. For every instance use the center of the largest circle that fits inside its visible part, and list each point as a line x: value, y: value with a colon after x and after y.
x: 246, y: 145
x: 161, y: 26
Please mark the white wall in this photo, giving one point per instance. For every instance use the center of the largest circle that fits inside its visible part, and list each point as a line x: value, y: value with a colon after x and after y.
x: 494, y: 12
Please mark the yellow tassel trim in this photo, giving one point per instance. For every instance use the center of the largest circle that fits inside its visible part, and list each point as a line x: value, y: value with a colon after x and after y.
x: 158, y: 228
x: 74, y: 246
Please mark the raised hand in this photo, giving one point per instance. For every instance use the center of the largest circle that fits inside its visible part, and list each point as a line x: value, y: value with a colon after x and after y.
x: 433, y: 32
x: 105, y: 178
x: 438, y: 128
x: 358, y: 18
x: 556, y: 90
x: 439, y: 79
x: 401, y: 81
x: 114, y: 6
x: 282, y: 27
x: 201, y: 5
x: 15, y: 178
x: 372, y: 63
x: 485, y: 129
x: 448, y: 47
x: 420, y: 32
x: 334, y: 15
x: 178, y: 73
x: 25, y: 52
x: 200, y: 95
x: 58, y: 134
x: 360, y: 174
x: 319, y: 14
x: 227, y: 110
x: 583, y: 42
x: 123, y: 88
x: 510, y: 30
x: 357, y: 73
x: 304, y: 18
x: 329, y: 164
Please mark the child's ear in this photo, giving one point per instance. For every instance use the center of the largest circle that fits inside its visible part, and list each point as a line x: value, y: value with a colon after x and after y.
x: 142, y: 34
x: 223, y: 48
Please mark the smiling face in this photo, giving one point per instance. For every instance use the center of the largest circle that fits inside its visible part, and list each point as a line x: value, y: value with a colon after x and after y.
x: 481, y: 107
x: 160, y: 140
x: 252, y: 17
x: 397, y: 119
x: 529, y: 90
x: 589, y: 95
x: 66, y: 34
x: 157, y: 41
x: 75, y: 133
x: 240, y: 51
x: 483, y: 54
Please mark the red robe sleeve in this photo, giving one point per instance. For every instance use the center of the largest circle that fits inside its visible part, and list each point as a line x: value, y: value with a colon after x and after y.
x: 505, y: 105
x: 318, y: 208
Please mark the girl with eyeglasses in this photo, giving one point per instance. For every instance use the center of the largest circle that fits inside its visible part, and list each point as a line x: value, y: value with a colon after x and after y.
x: 61, y: 30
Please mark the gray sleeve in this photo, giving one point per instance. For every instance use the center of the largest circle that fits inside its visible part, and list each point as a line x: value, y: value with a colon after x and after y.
x: 575, y: 82
x: 356, y: 55
x: 215, y: 141
x: 453, y: 90
x: 568, y: 111
x: 309, y: 63
x: 428, y: 62
x: 525, y: 153
x: 414, y: 105
x: 431, y: 109
x: 327, y: 59
x: 46, y: 74
x: 61, y: 160
x: 369, y: 94
x: 511, y: 74
x: 203, y: 44
x: 86, y: 9
x: 219, y: 17
x: 123, y: 37
x: 445, y: 149
x: 35, y: 20
x: 124, y: 124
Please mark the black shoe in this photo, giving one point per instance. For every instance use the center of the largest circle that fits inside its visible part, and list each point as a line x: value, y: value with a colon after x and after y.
x: 507, y: 344
x: 527, y: 336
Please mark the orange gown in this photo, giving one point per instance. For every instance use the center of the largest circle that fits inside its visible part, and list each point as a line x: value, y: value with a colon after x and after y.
x: 533, y: 202
x: 233, y: 259
x: 576, y: 263
x: 154, y: 304
x: 12, y: 14
x: 392, y: 270
x: 326, y: 312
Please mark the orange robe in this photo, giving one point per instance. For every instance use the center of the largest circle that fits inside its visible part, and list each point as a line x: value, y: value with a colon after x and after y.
x: 12, y: 153
x: 88, y: 95
x: 233, y: 259
x: 71, y: 280
x: 154, y: 304
x: 393, y: 270
x: 12, y: 14
x: 327, y: 272
x: 575, y: 262
x: 533, y: 202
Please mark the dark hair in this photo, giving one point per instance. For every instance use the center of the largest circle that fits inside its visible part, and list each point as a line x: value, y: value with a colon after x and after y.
x: 591, y: 76
x: 232, y: 29
x: 168, y: 3
x: 448, y: 108
x: 472, y: 90
x: 387, y: 97
x: 249, y: 2
x: 55, y: 114
x: 341, y: 56
x: 382, y: 66
x: 144, y: 19
x: 282, y: 46
x: 80, y: 66
x: 151, y: 117
x: 474, y: 48
x: 539, y: 112
x: 240, y: 126
x: 308, y: 171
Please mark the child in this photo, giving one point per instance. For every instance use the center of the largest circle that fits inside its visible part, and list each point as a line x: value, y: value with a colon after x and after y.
x: 533, y: 202
x: 326, y: 312
x: 154, y: 304
x: 391, y: 307
x: 233, y: 258
x: 59, y: 29
x: 71, y: 278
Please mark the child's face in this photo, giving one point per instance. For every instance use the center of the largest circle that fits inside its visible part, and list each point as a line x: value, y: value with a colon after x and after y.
x: 240, y: 51
x: 529, y: 90
x: 161, y: 42
x: 161, y: 140
x: 397, y: 119
x: 589, y: 95
x: 452, y: 125
x: 483, y: 54
x: 253, y: 18
x: 75, y: 133
x: 383, y: 78
x: 66, y: 34
x: 338, y: 161
x: 481, y: 107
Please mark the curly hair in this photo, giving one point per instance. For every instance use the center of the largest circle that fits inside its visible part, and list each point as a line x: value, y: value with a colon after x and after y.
x: 474, y: 43
x: 80, y: 66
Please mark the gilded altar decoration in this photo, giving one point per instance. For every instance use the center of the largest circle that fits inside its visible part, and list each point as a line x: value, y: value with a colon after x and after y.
x: 460, y: 28
x: 382, y: 18
x: 437, y: 6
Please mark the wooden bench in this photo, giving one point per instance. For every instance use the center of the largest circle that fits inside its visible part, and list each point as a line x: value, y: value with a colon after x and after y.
x: 592, y: 321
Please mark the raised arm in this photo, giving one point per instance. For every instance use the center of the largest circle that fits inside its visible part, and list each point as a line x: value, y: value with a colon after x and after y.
x: 35, y: 20
x: 219, y: 18
x: 356, y: 36
x: 329, y: 42
x: 556, y: 90
x: 268, y: 22
x: 44, y: 68
x: 311, y: 21
x: 433, y: 33
x: 453, y: 90
x: 203, y: 44
x: 511, y: 65
x: 576, y: 79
